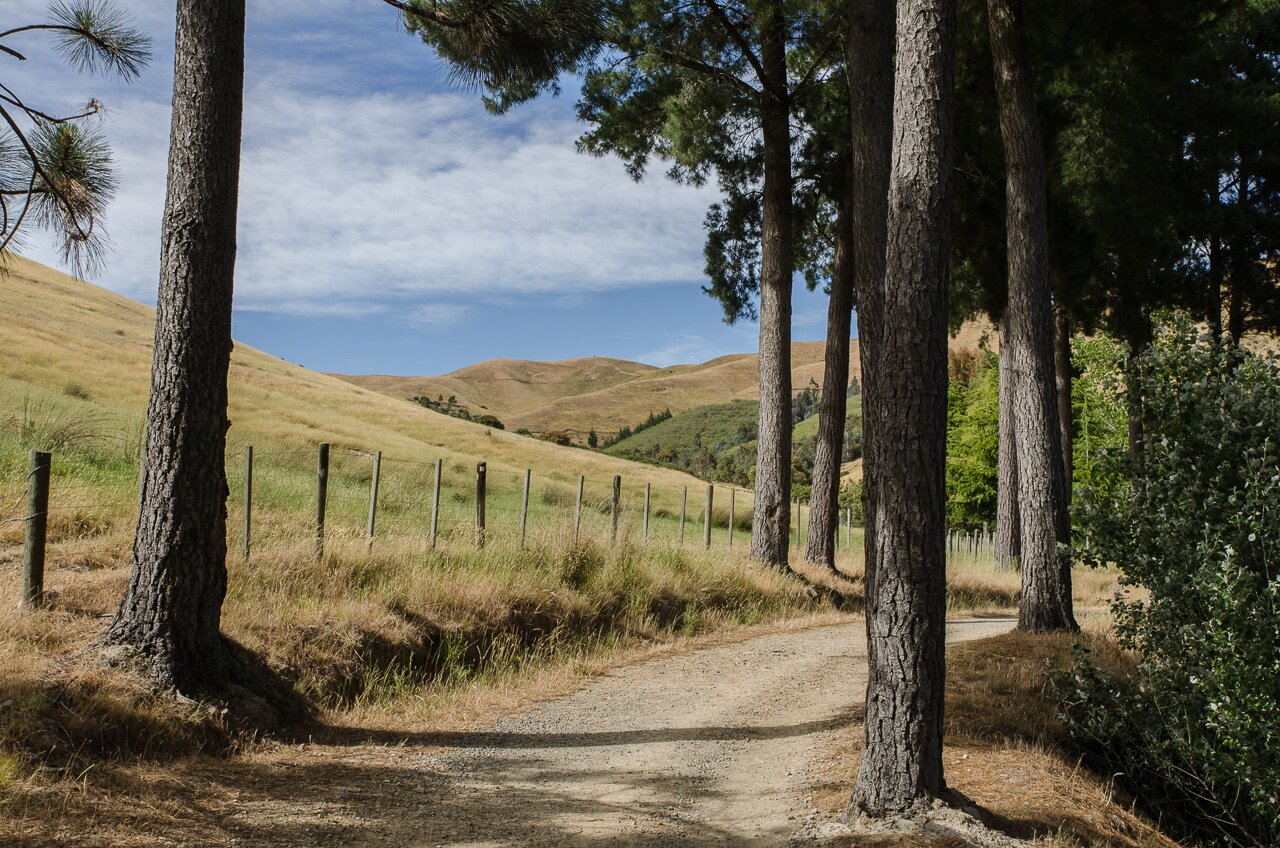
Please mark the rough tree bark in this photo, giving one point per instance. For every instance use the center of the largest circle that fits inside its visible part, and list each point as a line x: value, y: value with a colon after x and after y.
x: 1008, y: 530
x: 1042, y: 497
x: 825, y: 507
x: 870, y: 59
x: 172, y: 607
x: 771, y: 515
x: 1066, y: 412
x: 901, y: 766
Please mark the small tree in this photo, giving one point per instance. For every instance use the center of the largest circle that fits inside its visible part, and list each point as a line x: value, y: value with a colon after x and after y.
x: 593, y: 440
x: 56, y: 170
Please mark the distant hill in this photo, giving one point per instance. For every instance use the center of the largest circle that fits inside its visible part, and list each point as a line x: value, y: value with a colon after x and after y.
x: 604, y: 394
x: 717, y: 442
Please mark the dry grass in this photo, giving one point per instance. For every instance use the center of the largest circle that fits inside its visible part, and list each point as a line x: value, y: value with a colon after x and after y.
x: 1007, y: 753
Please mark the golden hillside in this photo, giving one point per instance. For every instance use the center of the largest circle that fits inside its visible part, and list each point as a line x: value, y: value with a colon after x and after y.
x: 85, y: 353
x: 578, y: 395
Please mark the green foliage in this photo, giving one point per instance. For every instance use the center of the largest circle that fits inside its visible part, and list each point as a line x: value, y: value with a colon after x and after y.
x: 973, y: 441
x: 513, y: 49
x: 717, y: 442
x: 452, y: 408
x: 1098, y: 404
x: 1100, y: 426
x: 713, y: 442
x: 806, y: 402
x: 627, y: 432
x: 850, y: 498
x: 1195, y: 731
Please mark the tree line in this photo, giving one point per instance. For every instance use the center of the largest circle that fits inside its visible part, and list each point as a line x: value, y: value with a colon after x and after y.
x: 923, y: 160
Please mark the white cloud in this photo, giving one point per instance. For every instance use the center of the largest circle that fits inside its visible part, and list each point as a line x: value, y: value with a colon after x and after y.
x: 354, y: 198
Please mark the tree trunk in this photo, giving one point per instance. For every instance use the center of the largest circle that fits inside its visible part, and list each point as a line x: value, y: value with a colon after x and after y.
x: 1008, y: 530
x: 871, y: 96
x: 1042, y: 497
x: 824, y: 510
x: 901, y: 766
x: 1066, y: 411
x: 172, y: 607
x: 1138, y: 335
x: 771, y: 517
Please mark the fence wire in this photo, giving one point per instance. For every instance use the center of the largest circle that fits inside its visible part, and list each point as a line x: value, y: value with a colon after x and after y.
x: 375, y: 499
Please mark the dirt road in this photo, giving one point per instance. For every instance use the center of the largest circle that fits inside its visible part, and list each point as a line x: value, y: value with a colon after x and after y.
x: 710, y: 748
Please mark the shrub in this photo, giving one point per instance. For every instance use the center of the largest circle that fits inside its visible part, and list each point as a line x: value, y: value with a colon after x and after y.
x: 1194, y: 731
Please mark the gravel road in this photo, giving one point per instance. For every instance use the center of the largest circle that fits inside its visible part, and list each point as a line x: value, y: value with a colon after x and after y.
x: 709, y: 748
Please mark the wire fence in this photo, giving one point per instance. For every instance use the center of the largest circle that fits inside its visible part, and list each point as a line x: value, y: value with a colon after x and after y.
x: 325, y: 497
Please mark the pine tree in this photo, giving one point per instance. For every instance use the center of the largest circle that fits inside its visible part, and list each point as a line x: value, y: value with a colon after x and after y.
x: 56, y: 171
x: 901, y: 766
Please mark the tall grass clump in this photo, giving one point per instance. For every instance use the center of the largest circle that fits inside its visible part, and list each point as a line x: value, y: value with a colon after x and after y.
x: 1194, y: 730
x: 359, y: 625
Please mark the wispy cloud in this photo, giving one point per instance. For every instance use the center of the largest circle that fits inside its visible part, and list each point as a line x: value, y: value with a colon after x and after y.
x: 436, y: 314
x: 686, y: 349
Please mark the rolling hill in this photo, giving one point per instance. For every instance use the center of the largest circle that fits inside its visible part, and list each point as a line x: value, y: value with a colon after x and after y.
x: 75, y: 371
x: 579, y: 395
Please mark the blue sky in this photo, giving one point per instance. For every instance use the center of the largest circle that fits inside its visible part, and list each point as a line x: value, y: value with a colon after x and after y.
x: 389, y: 224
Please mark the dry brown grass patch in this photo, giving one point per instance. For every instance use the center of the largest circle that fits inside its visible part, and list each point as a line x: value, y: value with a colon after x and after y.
x: 1007, y: 752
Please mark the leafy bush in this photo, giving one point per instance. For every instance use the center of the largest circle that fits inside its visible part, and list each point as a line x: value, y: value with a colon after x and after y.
x: 1195, y: 730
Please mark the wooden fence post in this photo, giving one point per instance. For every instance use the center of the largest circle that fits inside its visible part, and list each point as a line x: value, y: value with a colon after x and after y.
x: 733, y: 493
x: 647, y: 487
x: 524, y: 505
x: 577, y: 510
x: 613, y: 513
x: 706, y: 519
x: 248, y: 497
x: 481, y: 472
x: 373, y: 495
x: 322, y: 495
x: 37, y: 520
x: 684, y: 511
x: 435, y: 503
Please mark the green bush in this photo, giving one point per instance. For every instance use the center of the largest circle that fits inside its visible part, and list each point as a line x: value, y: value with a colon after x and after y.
x: 1195, y: 730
